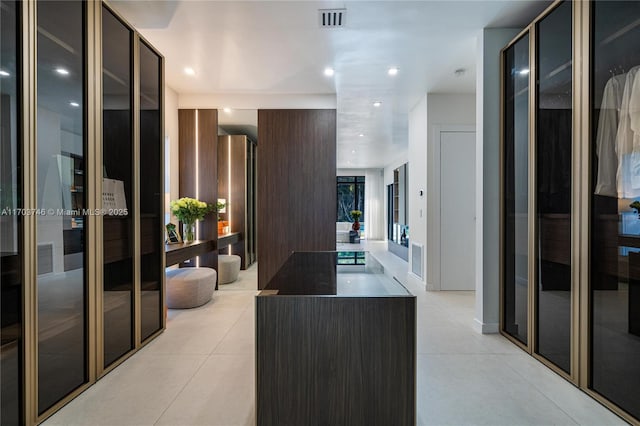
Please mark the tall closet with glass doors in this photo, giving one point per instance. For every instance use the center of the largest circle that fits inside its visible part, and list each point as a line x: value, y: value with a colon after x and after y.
x: 81, y: 235
x: 570, y: 203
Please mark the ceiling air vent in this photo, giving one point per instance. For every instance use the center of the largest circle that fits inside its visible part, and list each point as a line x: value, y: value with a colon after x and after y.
x: 332, y: 18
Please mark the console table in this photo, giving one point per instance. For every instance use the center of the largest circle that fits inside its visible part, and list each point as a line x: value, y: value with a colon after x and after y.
x: 227, y: 240
x: 177, y: 253
x: 335, y: 344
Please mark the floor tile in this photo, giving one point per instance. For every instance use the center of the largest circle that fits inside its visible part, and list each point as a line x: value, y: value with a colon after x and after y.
x: 136, y: 393
x: 201, y: 370
x: 220, y: 394
x: 247, y: 280
x: 241, y: 337
x: 570, y: 399
x: 479, y: 390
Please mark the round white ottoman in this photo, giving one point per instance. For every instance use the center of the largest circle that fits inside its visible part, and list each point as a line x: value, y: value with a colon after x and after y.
x: 228, y: 268
x: 189, y: 287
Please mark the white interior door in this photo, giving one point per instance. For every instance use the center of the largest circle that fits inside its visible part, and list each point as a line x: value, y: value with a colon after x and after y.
x: 458, y: 213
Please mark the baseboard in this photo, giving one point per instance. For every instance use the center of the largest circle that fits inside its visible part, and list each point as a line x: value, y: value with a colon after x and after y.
x: 485, y: 328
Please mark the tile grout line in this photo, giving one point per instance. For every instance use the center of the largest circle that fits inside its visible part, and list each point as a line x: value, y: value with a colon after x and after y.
x: 180, y: 391
x: 206, y: 358
x: 541, y: 392
x: 229, y: 330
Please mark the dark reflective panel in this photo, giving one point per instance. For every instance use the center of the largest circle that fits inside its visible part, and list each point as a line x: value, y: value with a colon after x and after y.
x: 10, y: 221
x: 151, y: 213
x: 516, y: 193
x: 61, y: 183
x: 398, y: 214
x: 553, y: 186
x: 118, y: 181
x: 615, y: 220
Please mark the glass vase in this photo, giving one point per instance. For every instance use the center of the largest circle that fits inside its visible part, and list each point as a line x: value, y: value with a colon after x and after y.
x: 188, y: 232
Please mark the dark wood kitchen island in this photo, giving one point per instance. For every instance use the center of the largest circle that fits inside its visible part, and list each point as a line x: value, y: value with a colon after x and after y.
x: 335, y: 344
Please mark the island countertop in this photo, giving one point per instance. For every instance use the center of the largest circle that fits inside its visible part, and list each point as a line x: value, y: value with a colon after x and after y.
x: 334, y: 273
x: 335, y: 344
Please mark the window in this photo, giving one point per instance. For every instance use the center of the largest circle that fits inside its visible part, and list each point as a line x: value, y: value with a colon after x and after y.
x: 350, y: 197
x: 351, y: 258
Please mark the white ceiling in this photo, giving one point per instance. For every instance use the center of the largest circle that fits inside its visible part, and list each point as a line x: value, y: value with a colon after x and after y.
x: 278, y: 48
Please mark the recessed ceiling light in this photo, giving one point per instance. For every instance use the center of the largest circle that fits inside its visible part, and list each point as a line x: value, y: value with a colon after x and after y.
x: 329, y: 72
x: 353, y: 151
x: 189, y: 71
x: 361, y: 135
x: 393, y: 71
x: 226, y: 109
x: 74, y: 104
x: 524, y: 71
x: 377, y: 104
x: 4, y: 73
x: 62, y: 71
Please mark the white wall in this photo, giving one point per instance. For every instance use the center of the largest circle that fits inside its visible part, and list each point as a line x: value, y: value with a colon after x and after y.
x: 394, y: 164
x: 490, y: 42
x: 350, y: 172
x: 171, y: 132
x: 417, y: 181
x: 444, y: 112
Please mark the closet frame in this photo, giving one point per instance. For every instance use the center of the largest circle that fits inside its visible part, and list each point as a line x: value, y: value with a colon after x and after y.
x: 581, y: 326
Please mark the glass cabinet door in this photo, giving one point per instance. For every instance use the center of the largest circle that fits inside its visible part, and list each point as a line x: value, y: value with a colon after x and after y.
x: 553, y: 186
x: 118, y: 185
x: 151, y: 191
x: 11, y: 285
x: 515, y: 189
x: 61, y: 282
x: 615, y: 203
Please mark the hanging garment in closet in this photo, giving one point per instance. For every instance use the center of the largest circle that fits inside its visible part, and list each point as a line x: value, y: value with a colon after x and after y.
x: 606, y: 136
x: 628, y: 149
x: 634, y: 111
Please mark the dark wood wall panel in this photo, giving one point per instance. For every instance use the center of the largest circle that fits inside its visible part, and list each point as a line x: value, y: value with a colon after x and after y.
x: 208, y: 168
x: 296, y: 185
x: 207, y: 160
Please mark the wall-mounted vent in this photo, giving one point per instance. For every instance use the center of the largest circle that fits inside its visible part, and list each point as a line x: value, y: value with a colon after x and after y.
x: 332, y: 18
x: 416, y: 259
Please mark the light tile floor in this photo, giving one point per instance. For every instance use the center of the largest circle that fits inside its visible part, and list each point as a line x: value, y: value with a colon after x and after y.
x: 200, y: 371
